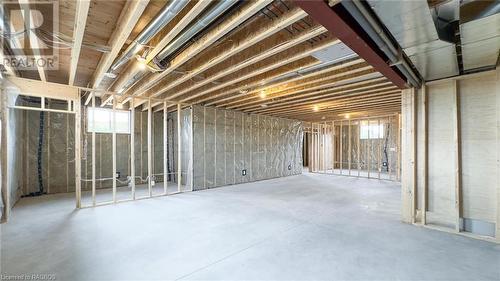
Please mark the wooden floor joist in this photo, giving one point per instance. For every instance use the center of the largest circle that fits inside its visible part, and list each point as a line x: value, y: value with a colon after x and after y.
x: 126, y: 22
x: 308, y: 111
x: 82, y: 10
x: 323, y: 94
x: 313, y: 91
x: 354, y: 112
x: 245, y: 62
x: 335, y: 95
x: 352, y: 106
x: 257, y: 80
x: 330, y: 89
x: 316, y: 76
x: 208, y: 39
x: 340, y: 105
x: 392, y: 97
x: 243, y: 43
x: 33, y: 38
x: 256, y: 73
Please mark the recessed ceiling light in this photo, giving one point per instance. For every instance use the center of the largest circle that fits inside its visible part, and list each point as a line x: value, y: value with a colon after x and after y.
x: 262, y: 94
x: 315, y: 108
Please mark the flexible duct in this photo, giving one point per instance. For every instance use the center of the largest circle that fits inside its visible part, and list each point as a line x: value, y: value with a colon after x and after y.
x: 160, y: 21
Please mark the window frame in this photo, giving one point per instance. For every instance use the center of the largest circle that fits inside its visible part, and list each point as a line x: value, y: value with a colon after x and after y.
x: 371, y: 128
x: 108, y: 129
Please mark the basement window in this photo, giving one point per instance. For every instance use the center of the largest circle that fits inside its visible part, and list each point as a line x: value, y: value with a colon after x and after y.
x: 372, y: 131
x: 104, y: 121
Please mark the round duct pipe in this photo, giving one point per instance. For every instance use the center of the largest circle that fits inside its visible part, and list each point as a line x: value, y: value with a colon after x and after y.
x: 160, y: 21
x: 138, y: 70
x: 208, y: 17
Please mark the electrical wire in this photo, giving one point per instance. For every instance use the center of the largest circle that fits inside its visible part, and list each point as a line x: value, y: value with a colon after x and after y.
x: 385, y: 146
x: 67, y: 41
x: 58, y: 40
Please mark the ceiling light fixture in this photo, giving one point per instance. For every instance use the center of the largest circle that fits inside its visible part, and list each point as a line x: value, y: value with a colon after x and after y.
x: 142, y: 63
x: 262, y: 94
x: 315, y: 108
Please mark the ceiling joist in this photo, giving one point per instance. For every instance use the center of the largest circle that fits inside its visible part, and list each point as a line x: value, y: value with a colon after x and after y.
x: 252, y: 72
x: 33, y: 39
x: 208, y: 39
x: 350, y: 73
x: 82, y: 10
x: 249, y: 61
x: 129, y: 16
x: 320, y: 103
x: 237, y: 46
x: 286, y: 84
x: 262, y: 57
x: 355, y: 88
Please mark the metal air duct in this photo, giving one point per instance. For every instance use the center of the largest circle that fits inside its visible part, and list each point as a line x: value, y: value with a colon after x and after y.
x: 426, y: 35
x: 364, y: 18
x: 138, y: 71
x: 207, y: 18
x: 160, y: 21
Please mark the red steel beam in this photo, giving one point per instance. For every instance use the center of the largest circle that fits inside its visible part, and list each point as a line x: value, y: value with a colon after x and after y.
x: 338, y: 27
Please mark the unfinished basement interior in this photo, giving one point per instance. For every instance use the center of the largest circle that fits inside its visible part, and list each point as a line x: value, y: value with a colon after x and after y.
x: 250, y: 140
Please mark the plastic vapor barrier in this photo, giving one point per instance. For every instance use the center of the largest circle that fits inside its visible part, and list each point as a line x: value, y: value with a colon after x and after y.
x: 186, y: 146
x: 54, y: 134
x: 232, y: 147
x: 57, y: 170
x: 366, y: 148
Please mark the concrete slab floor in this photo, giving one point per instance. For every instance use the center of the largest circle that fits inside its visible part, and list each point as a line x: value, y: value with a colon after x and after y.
x: 303, y: 227
x: 125, y: 192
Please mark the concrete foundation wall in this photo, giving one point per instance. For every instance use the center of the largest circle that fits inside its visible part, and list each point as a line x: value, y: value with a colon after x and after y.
x: 458, y: 186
